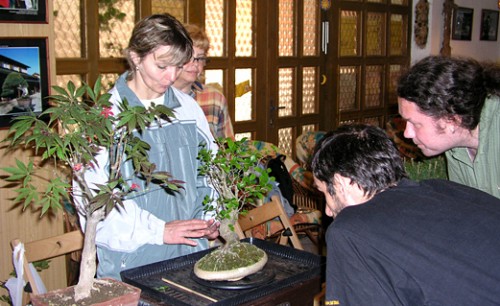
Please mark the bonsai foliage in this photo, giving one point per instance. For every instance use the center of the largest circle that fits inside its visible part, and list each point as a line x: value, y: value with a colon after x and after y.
x: 13, y: 84
x: 238, y: 176
x: 79, y: 125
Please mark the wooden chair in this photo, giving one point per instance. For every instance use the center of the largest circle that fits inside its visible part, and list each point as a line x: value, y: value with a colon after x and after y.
x: 47, y: 248
x: 264, y: 213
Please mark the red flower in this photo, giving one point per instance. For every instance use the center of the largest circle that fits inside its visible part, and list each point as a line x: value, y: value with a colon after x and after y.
x: 77, y: 167
x: 134, y: 186
x: 106, y: 112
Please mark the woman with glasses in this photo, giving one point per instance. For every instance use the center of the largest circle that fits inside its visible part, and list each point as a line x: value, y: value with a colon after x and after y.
x: 211, y: 100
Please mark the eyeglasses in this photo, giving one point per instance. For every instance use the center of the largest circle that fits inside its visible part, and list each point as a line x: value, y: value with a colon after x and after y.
x: 200, y: 60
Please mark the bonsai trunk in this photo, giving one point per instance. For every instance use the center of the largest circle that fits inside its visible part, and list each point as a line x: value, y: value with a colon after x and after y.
x: 226, y: 230
x: 88, y: 265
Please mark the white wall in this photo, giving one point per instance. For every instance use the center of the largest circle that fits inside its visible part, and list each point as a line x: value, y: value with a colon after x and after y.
x: 475, y: 48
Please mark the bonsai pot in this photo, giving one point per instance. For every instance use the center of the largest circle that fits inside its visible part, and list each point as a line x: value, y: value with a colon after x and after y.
x: 107, y: 292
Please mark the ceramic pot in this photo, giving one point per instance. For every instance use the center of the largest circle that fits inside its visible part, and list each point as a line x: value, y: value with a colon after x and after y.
x: 119, y: 294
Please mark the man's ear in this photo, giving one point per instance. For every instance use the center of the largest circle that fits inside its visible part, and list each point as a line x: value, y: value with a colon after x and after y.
x: 342, y: 184
x: 349, y: 191
x: 452, y: 123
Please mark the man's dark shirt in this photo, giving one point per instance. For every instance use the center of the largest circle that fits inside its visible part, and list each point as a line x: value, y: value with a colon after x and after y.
x: 429, y: 243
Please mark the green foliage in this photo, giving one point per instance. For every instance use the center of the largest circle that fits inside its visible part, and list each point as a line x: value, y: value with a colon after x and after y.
x: 71, y: 133
x: 235, y: 173
x: 429, y: 168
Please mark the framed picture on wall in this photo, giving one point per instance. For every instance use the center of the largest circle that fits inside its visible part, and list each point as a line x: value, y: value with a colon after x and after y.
x: 489, y: 25
x: 462, y: 23
x: 23, y: 11
x: 24, y: 77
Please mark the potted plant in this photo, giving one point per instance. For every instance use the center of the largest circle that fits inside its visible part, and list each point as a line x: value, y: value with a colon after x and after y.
x: 70, y: 133
x: 237, y: 174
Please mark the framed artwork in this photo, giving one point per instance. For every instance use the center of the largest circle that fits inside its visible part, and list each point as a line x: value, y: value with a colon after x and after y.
x: 23, y: 11
x: 24, y: 77
x: 462, y: 23
x: 489, y: 25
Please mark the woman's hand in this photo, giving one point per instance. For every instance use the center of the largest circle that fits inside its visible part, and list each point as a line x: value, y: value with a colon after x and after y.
x: 179, y: 231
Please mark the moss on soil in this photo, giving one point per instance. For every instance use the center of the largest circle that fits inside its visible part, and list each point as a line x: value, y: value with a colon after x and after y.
x: 237, y: 255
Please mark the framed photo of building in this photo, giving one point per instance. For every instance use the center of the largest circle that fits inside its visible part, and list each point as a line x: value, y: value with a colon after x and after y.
x: 489, y: 25
x: 462, y: 23
x: 23, y: 11
x: 24, y: 77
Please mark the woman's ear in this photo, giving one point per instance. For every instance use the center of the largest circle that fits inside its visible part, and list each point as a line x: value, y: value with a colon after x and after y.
x: 135, y: 58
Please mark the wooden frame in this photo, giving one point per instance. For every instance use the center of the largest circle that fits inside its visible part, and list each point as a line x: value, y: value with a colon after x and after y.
x: 489, y: 25
x: 462, y: 23
x: 24, y: 77
x: 20, y: 13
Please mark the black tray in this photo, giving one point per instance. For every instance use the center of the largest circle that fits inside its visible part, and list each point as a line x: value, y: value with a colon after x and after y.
x: 289, y: 265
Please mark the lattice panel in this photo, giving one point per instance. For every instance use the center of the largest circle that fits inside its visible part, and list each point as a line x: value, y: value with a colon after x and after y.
x: 309, y: 77
x: 113, y: 39
x: 175, y: 8
x: 373, y: 86
x: 348, y: 81
x: 398, y: 34
x: 240, y: 136
x: 109, y: 80
x: 394, y: 74
x: 372, y: 121
x: 286, y: 18
x: 214, y: 26
x: 67, y: 24
x: 352, y: 121
x: 285, y: 139
x: 310, y: 24
x: 214, y: 77
x: 349, y: 33
x: 243, y: 100
x: 375, y: 34
x: 285, y: 91
x: 244, y: 28
x: 308, y: 128
x: 63, y: 79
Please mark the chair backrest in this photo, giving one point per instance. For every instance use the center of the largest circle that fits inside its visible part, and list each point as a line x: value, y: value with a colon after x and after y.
x: 48, y: 248
x: 268, y: 212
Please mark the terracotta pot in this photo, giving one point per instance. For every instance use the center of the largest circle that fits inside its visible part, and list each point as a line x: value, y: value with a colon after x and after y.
x: 65, y: 296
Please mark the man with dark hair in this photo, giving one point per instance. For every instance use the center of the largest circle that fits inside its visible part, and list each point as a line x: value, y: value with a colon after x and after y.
x: 452, y: 105
x: 399, y: 242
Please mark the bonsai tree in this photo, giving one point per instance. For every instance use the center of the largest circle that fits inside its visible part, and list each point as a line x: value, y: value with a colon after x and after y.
x: 238, y: 176
x: 79, y: 124
x: 12, y: 85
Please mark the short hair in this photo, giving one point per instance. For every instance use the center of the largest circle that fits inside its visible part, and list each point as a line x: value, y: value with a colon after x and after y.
x: 363, y: 153
x: 445, y: 87
x: 159, y: 30
x: 199, y: 37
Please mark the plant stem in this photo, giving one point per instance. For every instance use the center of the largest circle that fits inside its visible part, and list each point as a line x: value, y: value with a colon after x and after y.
x: 89, y: 260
